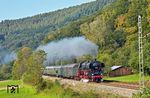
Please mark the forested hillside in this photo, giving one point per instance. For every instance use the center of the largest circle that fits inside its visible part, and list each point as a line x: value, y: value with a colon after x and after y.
x: 114, y: 30
x: 30, y: 31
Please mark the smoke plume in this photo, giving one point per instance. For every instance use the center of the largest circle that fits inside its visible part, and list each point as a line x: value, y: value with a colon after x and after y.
x: 6, y: 56
x: 68, y: 48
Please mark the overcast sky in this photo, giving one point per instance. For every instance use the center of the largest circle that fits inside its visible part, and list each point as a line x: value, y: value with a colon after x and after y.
x: 14, y: 9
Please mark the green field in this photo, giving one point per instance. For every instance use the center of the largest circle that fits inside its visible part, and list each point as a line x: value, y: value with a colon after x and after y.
x: 55, y: 91
x: 9, y: 82
x: 129, y: 78
x: 25, y: 91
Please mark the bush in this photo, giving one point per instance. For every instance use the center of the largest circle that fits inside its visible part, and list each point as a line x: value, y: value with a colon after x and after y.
x: 5, y: 72
x: 90, y: 94
x: 55, y: 89
x: 40, y: 87
x: 145, y: 93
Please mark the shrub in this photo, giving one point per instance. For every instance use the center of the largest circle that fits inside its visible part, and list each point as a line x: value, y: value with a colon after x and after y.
x: 145, y: 93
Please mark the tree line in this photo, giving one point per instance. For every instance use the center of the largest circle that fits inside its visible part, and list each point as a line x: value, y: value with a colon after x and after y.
x: 30, y: 31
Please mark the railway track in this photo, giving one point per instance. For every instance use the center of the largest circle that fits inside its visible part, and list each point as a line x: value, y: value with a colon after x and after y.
x: 110, y: 83
x: 120, y: 84
x: 123, y: 89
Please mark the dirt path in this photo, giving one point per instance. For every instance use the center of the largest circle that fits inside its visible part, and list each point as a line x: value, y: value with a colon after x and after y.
x: 121, y: 89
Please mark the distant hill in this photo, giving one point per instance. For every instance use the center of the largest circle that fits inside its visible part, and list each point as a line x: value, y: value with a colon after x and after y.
x: 30, y: 31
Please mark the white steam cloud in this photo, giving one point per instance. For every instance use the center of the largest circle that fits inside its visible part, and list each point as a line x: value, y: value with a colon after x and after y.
x: 6, y: 57
x: 68, y: 48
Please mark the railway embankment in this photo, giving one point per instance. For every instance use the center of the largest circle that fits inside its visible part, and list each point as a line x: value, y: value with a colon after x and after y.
x: 99, y: 88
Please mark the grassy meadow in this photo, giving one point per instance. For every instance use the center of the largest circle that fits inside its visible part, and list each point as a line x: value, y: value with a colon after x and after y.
x: 25, y: 91
x: 53, y: 90
x: 134, y: 78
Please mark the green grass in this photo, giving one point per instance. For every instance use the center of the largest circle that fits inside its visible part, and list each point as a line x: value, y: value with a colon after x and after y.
x: 9, y: 82
x: 25, y: 91
x: 129, y: 78
x: 54, y: 90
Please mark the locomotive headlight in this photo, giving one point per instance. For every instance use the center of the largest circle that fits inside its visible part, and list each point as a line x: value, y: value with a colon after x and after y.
x: 86, y: 73
x: 92, y: 74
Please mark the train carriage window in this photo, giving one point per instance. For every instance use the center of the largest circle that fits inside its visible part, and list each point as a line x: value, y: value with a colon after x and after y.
x: 80, y: 65
x: 84, y: 65
x: 87, y: 65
